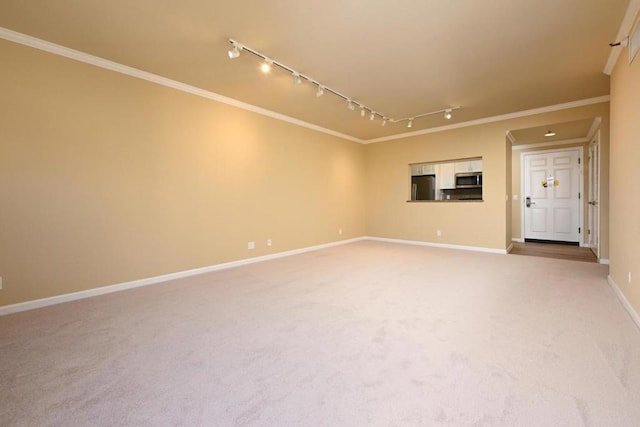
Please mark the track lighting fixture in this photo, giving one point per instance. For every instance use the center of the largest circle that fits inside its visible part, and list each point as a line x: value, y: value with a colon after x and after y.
x: 268, y: 64
x: 550, y: 133
x: 234, y: 52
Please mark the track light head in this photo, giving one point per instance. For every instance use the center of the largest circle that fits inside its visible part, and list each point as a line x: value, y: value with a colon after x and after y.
x: 447, y: 114
x: 372, y: 116
x: 362, y: 112
x: 234, y: 52
x: 320, y: 91
x: 297, y: 80
x: 410, y: 124
x: 384, y: 121
x: 350, y: 105
x: 550, y: 133
x: 266, y: 65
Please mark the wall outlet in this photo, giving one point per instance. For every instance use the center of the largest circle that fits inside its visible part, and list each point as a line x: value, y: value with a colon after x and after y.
x: 269, y: 242
x: 439, y: 233
x: 340, y: 231
x: 251, y: 245
x: 628, y: 278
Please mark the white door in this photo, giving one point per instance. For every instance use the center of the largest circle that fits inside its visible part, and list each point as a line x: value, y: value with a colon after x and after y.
x: 552, y: 196
x: 594, y: 196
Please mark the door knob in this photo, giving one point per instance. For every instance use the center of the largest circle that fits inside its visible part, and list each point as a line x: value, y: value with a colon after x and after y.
x: 528, y: 202
x: 593, y: 203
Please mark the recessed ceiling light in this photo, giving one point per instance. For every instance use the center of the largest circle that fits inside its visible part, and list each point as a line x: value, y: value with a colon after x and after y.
x: 549, y: 133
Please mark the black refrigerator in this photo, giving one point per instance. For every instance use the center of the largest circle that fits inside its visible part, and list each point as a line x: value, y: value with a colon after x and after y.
x: 423, y: 187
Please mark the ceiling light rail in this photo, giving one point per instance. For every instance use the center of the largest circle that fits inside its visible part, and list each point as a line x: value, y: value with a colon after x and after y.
x: 298, y: 78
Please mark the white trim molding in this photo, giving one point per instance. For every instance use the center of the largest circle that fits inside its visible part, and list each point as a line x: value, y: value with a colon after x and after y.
x: 74, y: 296
x: 438, y: 245
x: 66, y: 52
x: 515, y: 115
x: 603, y: 261
x: 76, y: 55
x: 595, y: 126
x: 623, y: 32
x: 509, y: 248
x: 58, y: 299
x: 517, y: 240
x: 551, y: 143
x: 624, y: 301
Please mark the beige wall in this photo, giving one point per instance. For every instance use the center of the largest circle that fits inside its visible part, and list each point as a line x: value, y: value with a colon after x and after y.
x: 625, y: 174
x: 479, y: 224
x: 105, y: 178
x: 489, y: 224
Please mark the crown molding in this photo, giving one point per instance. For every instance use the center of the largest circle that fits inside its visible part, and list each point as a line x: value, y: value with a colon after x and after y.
x: 550, y: 143
x: 66, y: 52
x: 624, y: 30
x: 518, y: 114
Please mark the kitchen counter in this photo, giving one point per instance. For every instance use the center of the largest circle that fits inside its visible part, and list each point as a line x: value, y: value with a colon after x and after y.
x: 446, y: 201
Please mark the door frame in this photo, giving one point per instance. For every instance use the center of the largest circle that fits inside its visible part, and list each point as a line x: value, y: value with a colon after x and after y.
x: 595, y: 142
x: 581, y: 210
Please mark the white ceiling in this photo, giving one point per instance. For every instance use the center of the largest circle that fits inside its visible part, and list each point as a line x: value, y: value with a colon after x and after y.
x: 401, y: 58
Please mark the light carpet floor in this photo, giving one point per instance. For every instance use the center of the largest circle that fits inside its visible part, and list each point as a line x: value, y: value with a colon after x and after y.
x: 369, y: 333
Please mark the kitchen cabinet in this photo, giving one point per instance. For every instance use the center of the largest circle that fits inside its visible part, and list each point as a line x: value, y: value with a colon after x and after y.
x: 422, y: 169
x: 446, y: 175
x: 468, y: 166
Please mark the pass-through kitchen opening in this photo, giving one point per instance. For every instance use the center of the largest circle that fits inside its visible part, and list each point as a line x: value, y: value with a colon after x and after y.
x: 452, y: 180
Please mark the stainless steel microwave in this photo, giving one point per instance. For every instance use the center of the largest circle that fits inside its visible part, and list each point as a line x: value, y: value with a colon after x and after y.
x: 469, y: 180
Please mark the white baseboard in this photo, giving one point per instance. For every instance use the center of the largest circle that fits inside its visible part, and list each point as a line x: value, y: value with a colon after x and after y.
x: 624, y: 301
x: 603, y: 261
x: 518, y: 240
x: 439, y: 245
x: 509, y: 248
x: 58, y: 299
